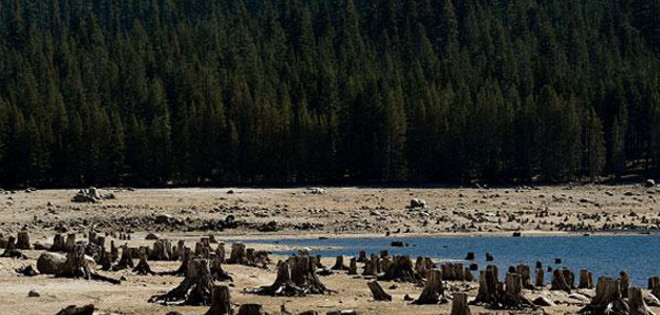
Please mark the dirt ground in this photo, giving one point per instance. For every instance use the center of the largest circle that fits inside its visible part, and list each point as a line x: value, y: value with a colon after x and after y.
x: 191, y: 213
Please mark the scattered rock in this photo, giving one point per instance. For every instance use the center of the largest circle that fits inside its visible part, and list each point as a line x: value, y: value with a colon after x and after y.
x: 650, y: 183
x: 50, y: 263
x: 151, y: 237
x: 417, y: 203
x: 33, y: 293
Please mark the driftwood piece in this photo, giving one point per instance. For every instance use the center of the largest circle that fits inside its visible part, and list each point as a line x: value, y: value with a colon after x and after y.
x: 460, y: 305
x: 339, y: 264
x: 220, y: 301
x: 75, y: 310
x: 586, y: 279
x: 378, y: 292
x: 295, y: 277
x: 401, y: 270
x: 194, y: 290
x: 434, y: 290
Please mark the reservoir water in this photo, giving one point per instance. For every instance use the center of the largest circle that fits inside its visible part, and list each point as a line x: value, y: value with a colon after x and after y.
x: 602, y: 255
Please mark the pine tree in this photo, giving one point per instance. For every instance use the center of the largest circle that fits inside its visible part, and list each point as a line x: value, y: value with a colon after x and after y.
x: 595, y: 145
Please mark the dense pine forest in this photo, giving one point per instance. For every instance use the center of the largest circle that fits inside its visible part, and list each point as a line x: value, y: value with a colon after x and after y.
x: 246, y: 92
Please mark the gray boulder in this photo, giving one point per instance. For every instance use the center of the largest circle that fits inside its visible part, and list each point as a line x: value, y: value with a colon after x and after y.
x: 50, y: 263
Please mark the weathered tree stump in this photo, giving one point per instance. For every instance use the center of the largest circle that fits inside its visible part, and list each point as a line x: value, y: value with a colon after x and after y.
x: 370, y: 268
x: 378, y: 292
x: 384, y: 253
x: 586, y: 280
x: 625, y: 283
x: 76, y: 267
x: 70, y: 242
x: 58, y: 244
x: 654, y: 286
x: 251, y: 309
x: 434, y: 290
x: 339, y: 264
x: 401, y: 270
x: 295, y: 277
x: 238, y: 255
x: 496, y: 295
x: 540, y: 277
x: 453, y: 272
x: 352, y: 267
x: 143, y: 267
x: 162, y: 251
x: 125, y: 262
x: 220, y: 301
x: 10, y: 249
x: 562, y: 280
x: 216, y: 266
x: 23, y: 240
x: 183, y: 268
x: 608, y: 299
x: 423, y: 265
x: 636, y: 302
x: 75, y: 310
x: 114, y: 252
x: 526, y: 275
x: 460, y: 305
x: 362, y: 257
x: 194, y: 290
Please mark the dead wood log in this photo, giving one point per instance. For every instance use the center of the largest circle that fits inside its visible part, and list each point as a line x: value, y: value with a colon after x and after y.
x: 194, y: 290
x: 23, y: 240
x: 75, y: 310
x: 339, y: 264
x: 460, y: 305
x: 220, y: 301
x: 434, y: 290
x: 378, y: 292
x: 401, y: 270
x: 295, y: 277
x: 654, y: 286
x: 608, y: 299
x: 352, y: 267
x: 76, y: 266
x: 251, y: 309
x: 540, y: 278
x: 162, y: 251
x: 562, y: 280
x: 586, y: 280
x: 625, y: 283
x: 143, y: 267
x: 202, y: 249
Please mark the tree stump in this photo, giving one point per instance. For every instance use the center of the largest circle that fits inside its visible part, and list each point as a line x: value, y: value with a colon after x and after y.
x: 540, y: 277
x: 608, y: 299
x: 162, y: 251
x: 434, y: 290
x: 58, y: 244
x: 378, y: 292
x: 654, y: 286
x: 295, y: 277
x: 401, y: 270
x: 636, y: 302
x: 370, y: 268
x: 126, y: 261
x: 251, y: 309
x: 220, y: 253
x: 10, y: 249
x: 362, y: 257
x: 385, y: 264
x: 238, y: 255
x: 423, y: 265
x: 562, y: 280
x: 74, y: 310
x: 352, y: 268
x: 70, y: 242
x: 143, y: 267
x: 339, y: 264
x: 76, y: 267
x: 453, y: 272
x: 220, y: 301
x: 586, y: 280
x: 459, y: 305
x: 625, y: 283
x: 526, y: 275
x: 23, y: 241
x: 216, y: 266
x: 194, y: 290
x: 183, y: 268
x: 384, y: 253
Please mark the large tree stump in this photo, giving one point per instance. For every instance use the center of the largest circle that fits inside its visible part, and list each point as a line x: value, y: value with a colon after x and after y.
x: 540, y: 277
x: 352, y: 267
x: 10, y: 249
x: 220, y: 301
x: 434, y: 290
x: 339, y: 264
x: 70, y: 242
x: 126, y: 261
x: 362, y: 257
x: 625, y: 283
x: 162, y: 251
x: 370, y: 268
x: 459, y: 305
x: 183, y: 268
x: 654, y: 286
x: 23, y: 240
x: 526, y: 275
x: 378, y: 292
x: 423, y: 265
x: 194, y: 290
x: 497, y: 295
x: 586, y: 279
x: 114, y: 252
x: 216, y: 266
x: 562, y: 280
x: 143, y: 267
x: 401, y: 270
x: 295, y: 277
x: 58, y: 244
x: 608, y: 299
x: 453, y: 272
x: 76, y: 267
x: 238, y: 255
x: 636, y: 302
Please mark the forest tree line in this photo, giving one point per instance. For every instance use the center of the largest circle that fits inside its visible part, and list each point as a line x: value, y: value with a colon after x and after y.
x: 245, y: 92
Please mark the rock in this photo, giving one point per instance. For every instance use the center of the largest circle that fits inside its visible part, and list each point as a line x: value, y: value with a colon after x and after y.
x: 397, y: 244
x: 50, y: 263
x: 90, y: 195
x: 33, y: 293
x: 269, y: 227
x: 517, y: 234
x: 650, y: 183
x: 151, y: 237
x: 417, y: 203
x: 543, y: 301
x: 164, y: 219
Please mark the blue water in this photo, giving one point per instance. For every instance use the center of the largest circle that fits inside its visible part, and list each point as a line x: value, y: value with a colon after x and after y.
x: 602, y: 255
